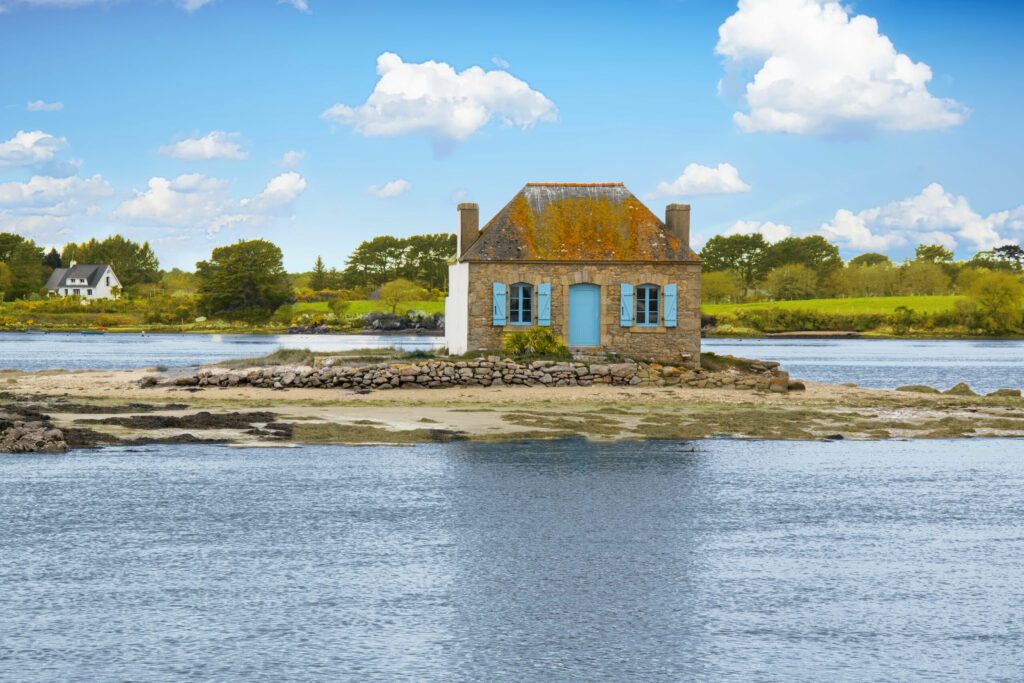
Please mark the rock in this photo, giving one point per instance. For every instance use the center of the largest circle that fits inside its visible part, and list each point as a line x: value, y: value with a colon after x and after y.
x: 918, y: 389
x: 779, y: 385
x: 796, y: 385
x: 961, y: 389
x: 834, y: 437
x: 148, y: 381
x: 1009, y: 393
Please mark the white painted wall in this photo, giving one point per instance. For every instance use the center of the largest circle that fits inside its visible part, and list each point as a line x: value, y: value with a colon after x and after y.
x: 102, y: 290
x: 456, y: 309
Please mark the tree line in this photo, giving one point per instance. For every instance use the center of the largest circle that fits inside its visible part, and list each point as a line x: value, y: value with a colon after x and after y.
x: 741, y: 268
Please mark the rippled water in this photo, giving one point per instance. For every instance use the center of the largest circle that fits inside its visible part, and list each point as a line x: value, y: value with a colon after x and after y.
x: 985, y: 364
x: 658, y: 561
x: 879, y: 363
x: 34, y: 351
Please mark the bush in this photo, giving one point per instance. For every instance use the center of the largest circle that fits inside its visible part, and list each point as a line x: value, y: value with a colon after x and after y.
x: 720, y: 287
x: 792, y: 281
x: 536, y: 341
x: 996, y: 303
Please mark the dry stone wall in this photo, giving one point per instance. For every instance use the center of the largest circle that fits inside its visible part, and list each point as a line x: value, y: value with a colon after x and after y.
x: 492, y: 371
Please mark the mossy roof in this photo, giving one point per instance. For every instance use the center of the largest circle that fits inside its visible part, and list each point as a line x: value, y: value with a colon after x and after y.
x: 577, y: 222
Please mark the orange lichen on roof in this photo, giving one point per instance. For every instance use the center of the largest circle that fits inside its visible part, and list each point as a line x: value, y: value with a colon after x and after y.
x: 577, y: 222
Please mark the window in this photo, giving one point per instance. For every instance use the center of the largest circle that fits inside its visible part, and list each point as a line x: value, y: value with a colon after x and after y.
x: 647, y: 305
x: 89, y: 292
x: 520, y: 302
x: 108, y: 281
x: 78, y: 291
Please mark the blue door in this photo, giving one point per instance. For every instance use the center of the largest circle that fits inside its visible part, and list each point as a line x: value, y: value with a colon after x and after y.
x: 584, y: 315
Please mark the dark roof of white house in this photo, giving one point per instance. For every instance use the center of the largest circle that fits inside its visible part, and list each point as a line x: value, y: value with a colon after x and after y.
x: 577, y: 222
x: 89, y: 272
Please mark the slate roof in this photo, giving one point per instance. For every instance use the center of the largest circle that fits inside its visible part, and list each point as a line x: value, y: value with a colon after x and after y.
x: 577, y: 222
x: 92, y: 273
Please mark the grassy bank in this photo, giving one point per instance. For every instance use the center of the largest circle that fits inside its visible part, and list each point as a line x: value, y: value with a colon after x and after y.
x: 15, y: 316
x: 896, y: 316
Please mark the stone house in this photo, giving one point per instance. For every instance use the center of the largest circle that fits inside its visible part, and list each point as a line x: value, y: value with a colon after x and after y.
x: 588, y: 260
x: 89, y: 281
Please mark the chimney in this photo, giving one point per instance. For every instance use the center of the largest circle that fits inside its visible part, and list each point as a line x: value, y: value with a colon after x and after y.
x: 677, y: 220
x: 469, y: 226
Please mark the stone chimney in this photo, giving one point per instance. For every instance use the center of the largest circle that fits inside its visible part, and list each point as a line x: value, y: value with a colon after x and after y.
x: 677, y: 220
x: 469, y: 226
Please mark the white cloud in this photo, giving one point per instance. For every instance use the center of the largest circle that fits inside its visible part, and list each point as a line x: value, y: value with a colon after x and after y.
x: 500, y: 62
x: 697, y: 180
x: 932, y: 216
x: 198, y: 201
x: 391, y: 189
x: 279, y: 193
x: 300, y: 5
x: 214, y: 145
x: 291, y: 158
x: 449, y: 106
x: 772, y: 232
x: 193, y: 5
x: 30, y: 148
x: 47, y: 191
x: 42, y: 105
x: 821, y: 70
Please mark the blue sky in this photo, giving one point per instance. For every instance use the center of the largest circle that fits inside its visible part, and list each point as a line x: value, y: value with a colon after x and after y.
x: 880, y: 124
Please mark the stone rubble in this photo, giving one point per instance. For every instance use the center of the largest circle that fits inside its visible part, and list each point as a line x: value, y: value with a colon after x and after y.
x: 491, y: 371
x: 29, y: 436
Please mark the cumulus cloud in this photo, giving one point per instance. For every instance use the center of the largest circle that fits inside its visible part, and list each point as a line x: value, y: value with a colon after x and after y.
x: 820, y: 70
x: 42, y: 105
x: 932, y: 216
x: 50, y: 192
x: 772, y: 232
x: 197, y: 201
x: 291, y: 158
x: 434, y: 99
x: 30, y: 148
x: 391, y: 189
x: 697, y: 180
x: 214, y: 145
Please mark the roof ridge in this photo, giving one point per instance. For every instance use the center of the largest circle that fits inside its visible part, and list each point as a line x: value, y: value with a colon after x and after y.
x: 575, y: 184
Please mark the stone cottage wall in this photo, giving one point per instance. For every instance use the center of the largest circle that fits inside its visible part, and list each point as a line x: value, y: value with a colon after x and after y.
x: 668, y: 344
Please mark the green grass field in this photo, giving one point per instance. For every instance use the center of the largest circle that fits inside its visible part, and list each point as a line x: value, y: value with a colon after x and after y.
x: 852, y: 306
x: 364, y: 306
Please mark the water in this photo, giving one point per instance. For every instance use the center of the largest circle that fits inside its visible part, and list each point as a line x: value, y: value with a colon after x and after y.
x: 985, y: 364
x: 880, y: 363
x: 717, y: 560
x: 73, y: 351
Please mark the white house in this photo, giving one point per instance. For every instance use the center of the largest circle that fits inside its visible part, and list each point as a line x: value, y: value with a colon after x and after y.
x: 89, y: 281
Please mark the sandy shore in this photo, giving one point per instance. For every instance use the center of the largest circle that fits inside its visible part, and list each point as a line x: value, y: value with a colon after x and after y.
x: 108, y: 407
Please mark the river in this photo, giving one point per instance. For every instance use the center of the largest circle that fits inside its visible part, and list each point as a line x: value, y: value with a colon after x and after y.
x: 879, y: 363
x: 717, y: 560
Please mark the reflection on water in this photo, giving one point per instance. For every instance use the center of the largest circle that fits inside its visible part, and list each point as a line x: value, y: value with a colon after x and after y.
x: 986, y: 364
x: 665, y: 560
x: 34, y: 351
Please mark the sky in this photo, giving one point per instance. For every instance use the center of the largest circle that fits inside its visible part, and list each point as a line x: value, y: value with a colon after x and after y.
x: 317, y: 124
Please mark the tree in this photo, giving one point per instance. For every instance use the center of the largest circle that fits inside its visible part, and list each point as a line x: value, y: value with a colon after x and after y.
x: 339, y: 306
x: 791, y: 281
x: 813, y: 251
x: 989, y: 261
x: 375, y: 261
x: 8, y: 241
x: 1011, y: 253
x: 318, y: 280
x: 6, y: 282
x: 720, y: 287
x: 871, y: 258
x: 428, y: 257
x: 879, y: 279
x: 52, y: 259
x: 933, y: 253
x: 744, y: 254
x: 27, y: 270
x: 997, y: 300
x: 401, y: 290
x: 243, y: 281
x: 921, y: 278
x: 134, y: 263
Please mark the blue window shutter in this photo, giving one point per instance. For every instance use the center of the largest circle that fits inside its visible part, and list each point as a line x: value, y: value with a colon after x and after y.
x: 626, y: 305
x: 670, y: 305
x: 544, y: 304
x: 499, y: 300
